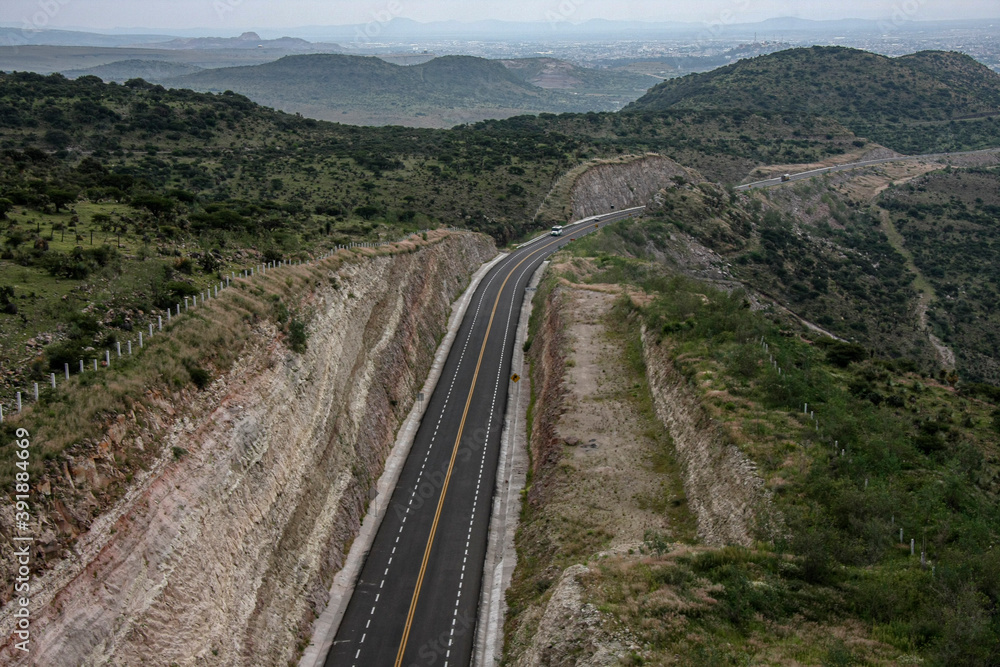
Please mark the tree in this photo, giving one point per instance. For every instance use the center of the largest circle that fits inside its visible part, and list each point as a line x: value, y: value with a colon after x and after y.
x: 57, y: 138
x: 366, y: 212
x: 155, y: 204
x: 5, y: 206
x: 102, y: 220
x: 61, y: 198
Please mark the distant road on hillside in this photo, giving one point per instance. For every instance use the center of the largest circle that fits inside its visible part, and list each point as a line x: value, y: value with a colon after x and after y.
x: 771, y: 182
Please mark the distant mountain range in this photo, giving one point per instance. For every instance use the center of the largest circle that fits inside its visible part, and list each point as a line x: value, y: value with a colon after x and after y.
x: 248, y: 40
x: 19, y: 37
x: 443, y: 91
x: 359, y: 36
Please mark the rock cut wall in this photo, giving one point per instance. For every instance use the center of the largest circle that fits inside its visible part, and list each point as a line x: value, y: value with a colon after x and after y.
x: 616, y: 185
x: 723, y: 487
x: 223, y: 555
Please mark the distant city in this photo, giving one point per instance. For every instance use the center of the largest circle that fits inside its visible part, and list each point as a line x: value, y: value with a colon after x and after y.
x: 662, y: 50
x: 669, y: 56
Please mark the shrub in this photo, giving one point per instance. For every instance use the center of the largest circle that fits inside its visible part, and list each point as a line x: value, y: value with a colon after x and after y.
x: 7, y: 304
x: 199, y: 376
x: 297, y: 335
x: 67, y: 352
x: 184, y: 265
x: 180, y: 289
x: 842, y: 354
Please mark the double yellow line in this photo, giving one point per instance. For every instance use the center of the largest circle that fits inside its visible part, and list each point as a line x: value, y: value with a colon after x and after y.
x: 451, y: 464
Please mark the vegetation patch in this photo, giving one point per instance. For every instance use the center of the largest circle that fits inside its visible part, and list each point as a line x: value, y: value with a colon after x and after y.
x: 861, y: 454
x: 949, y: 221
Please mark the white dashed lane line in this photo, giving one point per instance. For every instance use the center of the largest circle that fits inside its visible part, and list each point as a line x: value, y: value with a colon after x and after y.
x: 430, y: 446
x: 482, y: 464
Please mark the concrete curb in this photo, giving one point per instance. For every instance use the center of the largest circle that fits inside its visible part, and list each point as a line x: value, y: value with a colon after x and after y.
x: 501, y: 555
x: 325, y: 627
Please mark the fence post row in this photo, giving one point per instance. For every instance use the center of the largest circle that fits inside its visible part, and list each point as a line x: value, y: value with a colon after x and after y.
x: 212, y: 292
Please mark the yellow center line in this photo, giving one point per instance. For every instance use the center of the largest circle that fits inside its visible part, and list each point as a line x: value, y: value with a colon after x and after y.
x: 451, y: 464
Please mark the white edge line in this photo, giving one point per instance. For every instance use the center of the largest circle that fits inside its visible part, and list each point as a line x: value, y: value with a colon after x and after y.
x: 593, y: 218
x: 326, y: 625
x: 506, y: 507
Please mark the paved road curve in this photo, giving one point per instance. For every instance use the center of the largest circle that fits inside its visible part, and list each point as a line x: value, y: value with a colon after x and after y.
x: 771, y: 182
x: 416, y: 600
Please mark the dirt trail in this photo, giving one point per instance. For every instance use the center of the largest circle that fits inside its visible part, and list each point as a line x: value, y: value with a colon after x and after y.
x: 945, y: 355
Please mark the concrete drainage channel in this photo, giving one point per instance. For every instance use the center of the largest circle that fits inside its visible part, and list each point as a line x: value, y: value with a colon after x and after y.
x: 325, y: 627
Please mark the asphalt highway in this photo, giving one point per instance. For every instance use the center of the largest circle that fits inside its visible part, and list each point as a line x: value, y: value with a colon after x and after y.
x: 417, y: 597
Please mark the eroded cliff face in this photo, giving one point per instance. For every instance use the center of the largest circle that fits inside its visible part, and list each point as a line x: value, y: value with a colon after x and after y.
x: 723, y: 487
x: 223, y: 551
x: 617, y: 185
x: 596, y: 495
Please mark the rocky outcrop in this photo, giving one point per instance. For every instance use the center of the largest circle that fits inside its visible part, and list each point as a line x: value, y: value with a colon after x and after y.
x: 722, y: 485
x: 223, y: 551
x: 613, y: 186
x: 571, y: 631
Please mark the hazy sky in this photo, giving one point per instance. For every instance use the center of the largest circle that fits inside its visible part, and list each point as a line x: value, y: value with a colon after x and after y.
x: 235, y: 14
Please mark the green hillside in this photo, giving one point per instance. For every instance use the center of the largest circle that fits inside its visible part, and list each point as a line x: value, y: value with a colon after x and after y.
x: 123, y: 198
x: 829, y: 578
x: 323, y: 86
x: 913, y: 103
x: 950, y: 221
x: 123, y: 70
x: 555, y: 74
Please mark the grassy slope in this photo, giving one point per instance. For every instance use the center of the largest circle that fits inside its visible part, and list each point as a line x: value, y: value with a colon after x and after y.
x: 837, y: 587
x: 830, y: 264
x: 194, y: 347
x: 910, y: 103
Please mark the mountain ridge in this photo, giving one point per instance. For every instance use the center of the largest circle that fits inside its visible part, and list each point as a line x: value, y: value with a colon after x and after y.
x: 329, y: 85
x: 874, y: 95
